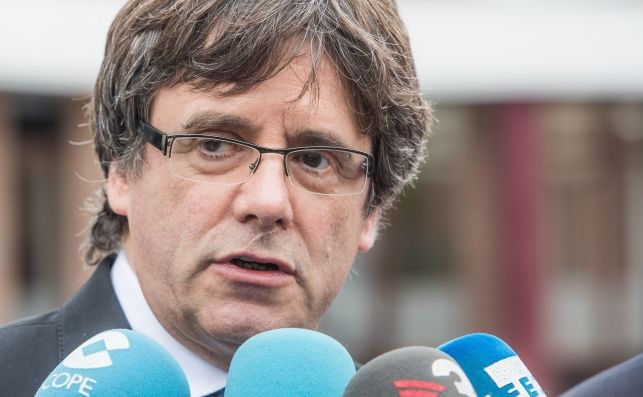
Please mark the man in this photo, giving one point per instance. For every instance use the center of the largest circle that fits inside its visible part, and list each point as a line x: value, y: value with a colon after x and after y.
x: 250, y: 149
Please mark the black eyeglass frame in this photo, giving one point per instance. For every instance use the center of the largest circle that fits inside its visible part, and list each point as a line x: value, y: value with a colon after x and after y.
x: 163, y: 142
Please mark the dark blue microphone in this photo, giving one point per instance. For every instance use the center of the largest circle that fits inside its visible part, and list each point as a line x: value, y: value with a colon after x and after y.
x: 289, y: 362
x: 117, y: 363
x: 492, y: 366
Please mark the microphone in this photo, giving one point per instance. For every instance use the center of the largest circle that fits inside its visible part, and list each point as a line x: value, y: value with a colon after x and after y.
x: 117, y: 363
x: 415, y: 371
x: 492, y: 366
x: 289, y: 362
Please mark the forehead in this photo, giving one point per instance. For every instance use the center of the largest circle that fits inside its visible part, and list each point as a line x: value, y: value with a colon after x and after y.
x: 284, y: 104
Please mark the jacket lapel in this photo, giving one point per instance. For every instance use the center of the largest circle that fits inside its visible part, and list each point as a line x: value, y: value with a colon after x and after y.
x: 92, y: 310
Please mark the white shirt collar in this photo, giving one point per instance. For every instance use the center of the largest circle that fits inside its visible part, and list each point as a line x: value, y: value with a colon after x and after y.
x: 203, y: 377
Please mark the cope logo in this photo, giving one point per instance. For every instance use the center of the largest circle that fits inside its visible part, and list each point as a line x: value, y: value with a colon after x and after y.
x: 94, y: 353
x: 514, y: 379
x: 91, y: 355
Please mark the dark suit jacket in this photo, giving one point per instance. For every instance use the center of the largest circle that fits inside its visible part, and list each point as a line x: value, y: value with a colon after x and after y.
x: 623, y: 380
x: 30, y: 349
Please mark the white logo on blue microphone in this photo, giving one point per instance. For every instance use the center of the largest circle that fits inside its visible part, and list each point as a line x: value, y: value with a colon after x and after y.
x: 513, y: 378
x: 94, y: 353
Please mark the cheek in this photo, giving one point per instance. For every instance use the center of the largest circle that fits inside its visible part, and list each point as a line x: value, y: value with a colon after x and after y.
x: 167, y: 218
x: 344, y: 224
x: 179, y: 208
x: 337, y: 230
x: 150, y: 232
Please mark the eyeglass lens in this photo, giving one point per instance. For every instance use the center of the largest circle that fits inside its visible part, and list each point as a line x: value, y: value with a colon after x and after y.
x: 210, y: 160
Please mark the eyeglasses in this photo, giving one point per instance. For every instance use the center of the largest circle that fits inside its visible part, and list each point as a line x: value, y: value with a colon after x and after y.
x: 223, y: 161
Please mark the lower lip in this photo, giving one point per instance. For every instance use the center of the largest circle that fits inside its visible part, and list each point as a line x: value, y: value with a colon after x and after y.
x: 269, y: 278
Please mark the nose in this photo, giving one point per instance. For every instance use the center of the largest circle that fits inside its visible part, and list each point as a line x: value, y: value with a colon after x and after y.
x: 265, y: 198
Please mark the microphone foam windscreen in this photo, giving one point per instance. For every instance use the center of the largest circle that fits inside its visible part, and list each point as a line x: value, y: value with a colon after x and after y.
x: 117, y: 363
x: 415, y: 371
x: 289, y: 362
x: 492, y: 366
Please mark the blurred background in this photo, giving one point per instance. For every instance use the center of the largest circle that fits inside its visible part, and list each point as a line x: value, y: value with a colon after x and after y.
x: 526, y: 221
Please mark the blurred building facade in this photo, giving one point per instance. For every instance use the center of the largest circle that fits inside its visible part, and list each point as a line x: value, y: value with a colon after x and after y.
x: 526, y: 223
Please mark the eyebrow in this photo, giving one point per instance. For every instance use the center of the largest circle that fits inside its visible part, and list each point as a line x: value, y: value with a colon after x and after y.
x: 201, y: 122
x: 207, y: 121
x: 312, y: 137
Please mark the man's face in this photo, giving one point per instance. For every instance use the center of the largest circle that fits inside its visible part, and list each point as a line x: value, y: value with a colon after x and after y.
x: 185, y: 238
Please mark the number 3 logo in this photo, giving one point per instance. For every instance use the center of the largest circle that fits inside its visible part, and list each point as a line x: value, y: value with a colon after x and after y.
x: 444, y: 367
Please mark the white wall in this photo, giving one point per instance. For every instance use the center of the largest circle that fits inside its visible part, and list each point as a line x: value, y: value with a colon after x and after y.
x: 466, y: 50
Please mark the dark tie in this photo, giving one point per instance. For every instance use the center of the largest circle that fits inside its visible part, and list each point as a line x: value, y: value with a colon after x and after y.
x: 216, y: 394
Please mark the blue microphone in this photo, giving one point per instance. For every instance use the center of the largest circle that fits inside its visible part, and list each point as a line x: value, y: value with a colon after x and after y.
x: 492, y: 366
x: 289, y: 362
x: 117, y: 363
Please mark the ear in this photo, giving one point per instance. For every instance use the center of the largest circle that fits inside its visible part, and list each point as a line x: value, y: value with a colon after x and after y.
x: 369, y: 230
x: 118, y: 191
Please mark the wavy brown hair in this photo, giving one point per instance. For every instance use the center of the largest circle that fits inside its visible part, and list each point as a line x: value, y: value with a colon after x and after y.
x: 158, y: 43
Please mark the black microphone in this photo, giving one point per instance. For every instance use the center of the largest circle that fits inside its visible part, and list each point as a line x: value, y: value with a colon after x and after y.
x: 416, y: 371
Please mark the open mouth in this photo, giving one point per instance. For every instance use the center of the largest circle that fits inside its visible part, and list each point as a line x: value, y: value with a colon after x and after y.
x: 252, y: 265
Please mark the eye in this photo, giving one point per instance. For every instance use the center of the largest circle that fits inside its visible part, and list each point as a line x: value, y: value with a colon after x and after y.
x: 211, y: 145
x: 314, y: 160
x: 214, y: 149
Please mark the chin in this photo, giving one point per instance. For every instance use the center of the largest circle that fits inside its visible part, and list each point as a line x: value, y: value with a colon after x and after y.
x: 237, y: 328
x: 236, y: 321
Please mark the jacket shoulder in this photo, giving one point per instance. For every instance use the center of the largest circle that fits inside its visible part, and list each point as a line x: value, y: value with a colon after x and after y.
x: 621, y: 380
x: 29, y: 351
